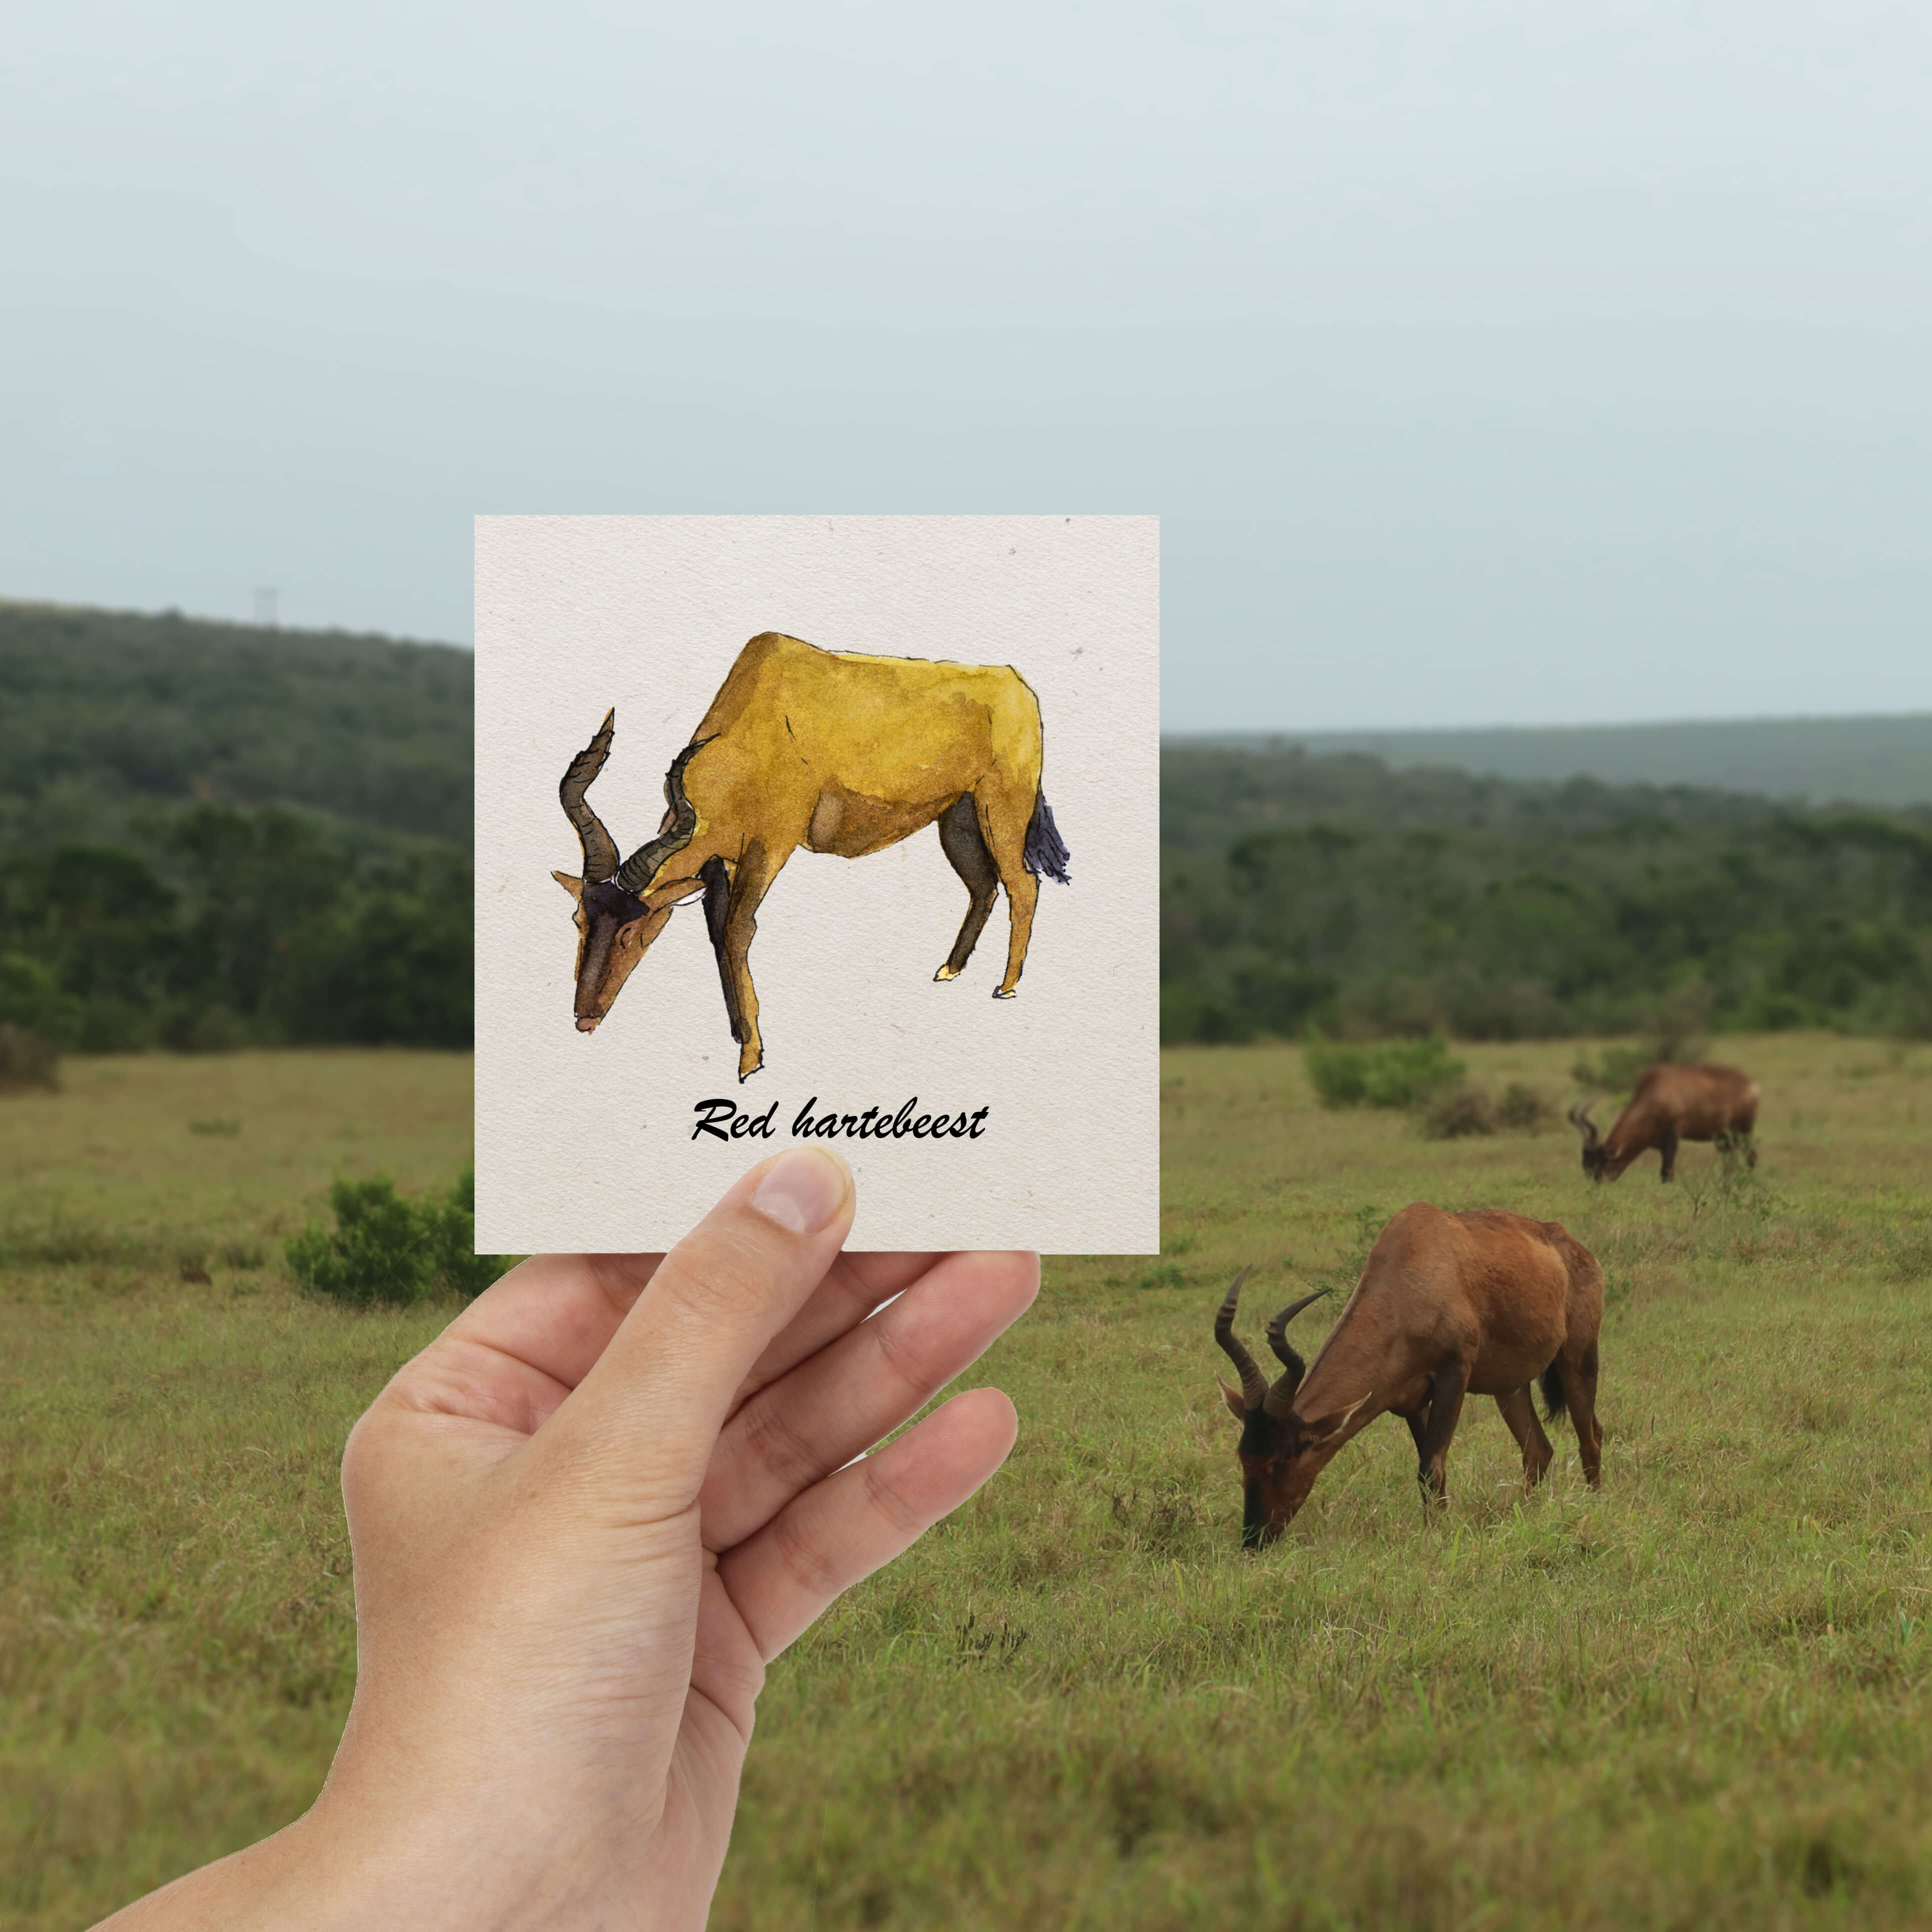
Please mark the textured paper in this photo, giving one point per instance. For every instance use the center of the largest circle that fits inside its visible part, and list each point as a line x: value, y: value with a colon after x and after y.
x: 585, y: 1141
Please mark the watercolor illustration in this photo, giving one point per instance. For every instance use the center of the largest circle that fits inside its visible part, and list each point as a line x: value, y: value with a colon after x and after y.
x: 837, y: 753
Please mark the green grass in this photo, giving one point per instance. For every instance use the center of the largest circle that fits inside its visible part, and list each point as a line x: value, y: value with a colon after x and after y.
x: 1701, y: 1698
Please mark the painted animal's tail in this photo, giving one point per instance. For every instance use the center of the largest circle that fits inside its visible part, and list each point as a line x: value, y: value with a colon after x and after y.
x: 1554, y: 1405
x: 1044, y: 851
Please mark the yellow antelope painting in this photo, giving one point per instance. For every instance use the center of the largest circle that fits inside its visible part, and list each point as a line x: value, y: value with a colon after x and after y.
x: 837, y: 753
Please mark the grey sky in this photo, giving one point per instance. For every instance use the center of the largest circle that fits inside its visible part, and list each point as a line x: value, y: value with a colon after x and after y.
x: 1487, y: 362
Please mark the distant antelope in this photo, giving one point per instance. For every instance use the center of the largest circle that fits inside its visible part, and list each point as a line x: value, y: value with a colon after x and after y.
x: 1448, y: 1305
x: 836, y: 753
x: 1672, y: 1104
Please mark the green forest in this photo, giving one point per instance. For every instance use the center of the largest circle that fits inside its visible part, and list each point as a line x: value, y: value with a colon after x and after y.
x: 212, y: 835
x: 1303, y: 893
x: 215, y: 836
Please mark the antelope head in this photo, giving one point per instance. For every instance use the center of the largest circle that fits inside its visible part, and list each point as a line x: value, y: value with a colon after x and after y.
x: 1594, y: 1158
x: 615, y: 923
x: 1281, y: 1453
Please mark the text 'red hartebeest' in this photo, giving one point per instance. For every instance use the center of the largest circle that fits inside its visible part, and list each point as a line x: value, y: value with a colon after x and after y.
x: 836, y: 753
x: 1672, y: 1104
x: 1448, y: 1305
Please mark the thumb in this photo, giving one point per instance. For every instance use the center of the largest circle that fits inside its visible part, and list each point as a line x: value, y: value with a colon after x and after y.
x: 641, y: 1425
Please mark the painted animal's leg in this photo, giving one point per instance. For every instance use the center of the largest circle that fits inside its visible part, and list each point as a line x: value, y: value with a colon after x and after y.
x: 959, y: 837
x: 717, y: 919
x: 1669, y: 1147
x: 1003, y: 818
x: 751, y: 879
x: 1577, y: 1369
x: 1519, y: 1412
x: 1447, y: 1389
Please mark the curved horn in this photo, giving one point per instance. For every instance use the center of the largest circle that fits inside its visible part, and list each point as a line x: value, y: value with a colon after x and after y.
x: 1254, y: 1383
x: 637, y: 872
x: 1294, y: 1368
x: 600, y: 849
x: 1579, y: 1119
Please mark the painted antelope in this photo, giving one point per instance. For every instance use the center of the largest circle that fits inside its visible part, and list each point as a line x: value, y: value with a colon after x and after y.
x: 836, y: 753
x: 1448, y: 1305
x: 1672, y: 1104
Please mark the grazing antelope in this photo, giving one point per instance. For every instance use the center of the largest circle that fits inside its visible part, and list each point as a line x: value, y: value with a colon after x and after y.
x: 1672, y: 1104
x: 1448, y: 1305
x: 836, y: 753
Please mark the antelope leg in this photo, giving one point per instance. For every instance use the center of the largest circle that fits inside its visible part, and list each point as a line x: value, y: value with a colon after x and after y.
x: 1519, y: 1412
x: 1447, y: 1388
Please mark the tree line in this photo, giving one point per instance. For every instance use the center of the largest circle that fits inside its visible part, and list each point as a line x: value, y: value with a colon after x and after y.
x: 1304, y: 894
x: 213, y: 835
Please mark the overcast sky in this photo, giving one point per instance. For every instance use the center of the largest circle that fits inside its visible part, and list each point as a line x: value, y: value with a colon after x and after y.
x: 1488, y: 361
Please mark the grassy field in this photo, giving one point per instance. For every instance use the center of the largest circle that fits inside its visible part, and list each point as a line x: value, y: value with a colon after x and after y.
x: 1701, y: 1699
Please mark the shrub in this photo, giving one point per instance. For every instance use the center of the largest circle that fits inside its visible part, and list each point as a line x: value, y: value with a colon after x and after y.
x: 1675, y: 1036
x: 26, y: 1060
x: 386, y: 1248
x: 1396, y: 1073
x: 467, y: 1273
x: 1455, y: 1113
x: 1615, y: 1069
x: 1523, y: 1110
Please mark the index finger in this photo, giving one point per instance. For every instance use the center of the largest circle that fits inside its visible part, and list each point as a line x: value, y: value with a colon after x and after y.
x: 854, y: 1286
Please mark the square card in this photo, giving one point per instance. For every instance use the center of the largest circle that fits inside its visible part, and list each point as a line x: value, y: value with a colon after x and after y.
x: 843, y: 829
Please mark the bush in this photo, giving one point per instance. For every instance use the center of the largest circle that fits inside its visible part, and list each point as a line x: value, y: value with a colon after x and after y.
x: 1523, y: 1110
x: 1615, y: 1070
x: 467, y: 1273
x: 26, y: 1060
x: 386, y: 1248
x: 1455, y: 1113
x: 1396, y: 1073
x: 1675, y: 1036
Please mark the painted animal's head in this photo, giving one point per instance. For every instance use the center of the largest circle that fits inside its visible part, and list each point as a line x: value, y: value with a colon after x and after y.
x: 615, y: 922
x: 1595, y: 1159
x: 1281, y: 1453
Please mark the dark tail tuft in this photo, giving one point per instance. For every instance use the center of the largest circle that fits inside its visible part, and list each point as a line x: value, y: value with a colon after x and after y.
x: 1554, y: 1406
x: 1045, y: 851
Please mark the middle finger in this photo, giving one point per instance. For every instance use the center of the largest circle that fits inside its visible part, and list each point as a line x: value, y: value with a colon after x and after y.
x: 842, y: 1400
x: 854, y: 1284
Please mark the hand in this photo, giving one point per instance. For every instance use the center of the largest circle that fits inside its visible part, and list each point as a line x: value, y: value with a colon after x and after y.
x: 584, y: 1520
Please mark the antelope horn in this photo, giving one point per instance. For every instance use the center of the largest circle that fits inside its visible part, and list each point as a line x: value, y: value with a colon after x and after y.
x: 1294, y: 1368
x: 1579, y: 1119
x: 1254, y: 1383
x: 600, y: 849
x: 680, y: 821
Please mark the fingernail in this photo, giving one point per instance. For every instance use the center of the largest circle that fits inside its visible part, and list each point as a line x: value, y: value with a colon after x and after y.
x: 803, y: 1191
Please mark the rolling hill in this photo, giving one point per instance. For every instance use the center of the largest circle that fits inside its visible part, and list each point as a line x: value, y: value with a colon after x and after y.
x: 214, y: 834
x: 1884, y: 761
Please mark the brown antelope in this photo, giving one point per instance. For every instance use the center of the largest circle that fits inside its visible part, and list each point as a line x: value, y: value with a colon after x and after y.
x: 836, y: 753
x: 1672, y: 1104
x: 1448, y: 1305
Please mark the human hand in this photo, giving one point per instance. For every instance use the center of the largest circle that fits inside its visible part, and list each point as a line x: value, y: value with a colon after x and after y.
x: 584, y: 1520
